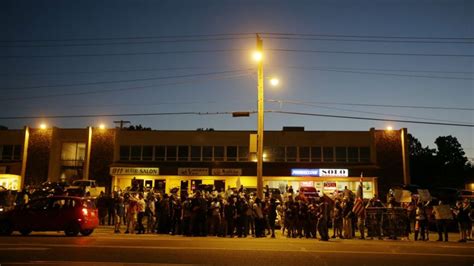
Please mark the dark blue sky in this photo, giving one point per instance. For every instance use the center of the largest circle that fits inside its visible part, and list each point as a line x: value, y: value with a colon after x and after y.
x: 42, y: 20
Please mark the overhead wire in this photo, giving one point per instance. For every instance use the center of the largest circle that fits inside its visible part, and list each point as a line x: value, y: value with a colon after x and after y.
x: 382, y: 105
x: 365, y: 53
x: 90, y: 92
x: 123, y: 80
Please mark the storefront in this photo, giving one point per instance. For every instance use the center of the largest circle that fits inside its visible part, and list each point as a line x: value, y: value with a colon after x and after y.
x: 9, y: 181
x: 187, y: 180
x: 326, y: 181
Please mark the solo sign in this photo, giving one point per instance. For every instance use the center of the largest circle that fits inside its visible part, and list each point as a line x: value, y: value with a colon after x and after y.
x: 320, y: 172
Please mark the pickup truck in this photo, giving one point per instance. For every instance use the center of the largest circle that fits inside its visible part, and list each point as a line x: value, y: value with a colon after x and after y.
x: 85, y: 188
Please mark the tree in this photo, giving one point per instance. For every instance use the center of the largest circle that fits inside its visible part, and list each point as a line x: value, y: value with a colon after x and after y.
x: 453, y: 163
x: 423, y: 163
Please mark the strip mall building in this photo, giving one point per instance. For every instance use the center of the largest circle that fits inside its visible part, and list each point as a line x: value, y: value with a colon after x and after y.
x: 327, y: 160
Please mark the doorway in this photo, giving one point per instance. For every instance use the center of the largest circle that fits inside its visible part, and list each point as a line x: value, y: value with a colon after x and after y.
x: 184, y: 189
x: 160, y: 186
x: 219, y: 185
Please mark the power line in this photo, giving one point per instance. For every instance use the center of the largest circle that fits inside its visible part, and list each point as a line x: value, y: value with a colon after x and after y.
x: 366, y: 53
x: 125, y: 54
x: 368, y: 36
x: 113, y: 115
x: 116, y: 90
x: 384, y: 105
x: 373, y: 113
x: 369, y: 40
x: 123, y: 43
x: 371, y: 119
x: 123, y: 80
x: 130, y: 37
x: 380, y: 69
x: 382, y: 74
x: 229, y: 51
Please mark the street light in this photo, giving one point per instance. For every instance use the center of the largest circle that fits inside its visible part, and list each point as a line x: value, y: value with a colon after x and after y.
x: 389, y: 128
x: 274, y: 81
x: 102, y: 126
x: 43, y: 126
x: 257, y: 55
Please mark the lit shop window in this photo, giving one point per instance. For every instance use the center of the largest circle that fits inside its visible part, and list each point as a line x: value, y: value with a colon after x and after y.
x: 73, y: 153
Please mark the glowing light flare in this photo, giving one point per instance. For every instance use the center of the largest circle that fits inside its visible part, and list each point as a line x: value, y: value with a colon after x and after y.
x: 102, y: 126
x: 274, y: 81
x: 43, y: 126
x: 257, y: 56
x: 389, y: 128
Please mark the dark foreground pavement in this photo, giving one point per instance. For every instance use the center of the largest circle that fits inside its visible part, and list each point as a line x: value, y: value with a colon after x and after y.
x: 103, y: 247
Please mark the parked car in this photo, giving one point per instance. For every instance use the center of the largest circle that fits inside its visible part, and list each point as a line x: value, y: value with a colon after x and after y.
x: 73, y: 215
x: 85, y: 187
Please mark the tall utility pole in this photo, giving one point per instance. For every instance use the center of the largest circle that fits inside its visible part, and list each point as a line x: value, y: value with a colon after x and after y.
x: 260, y: 121
x: 121, y: 122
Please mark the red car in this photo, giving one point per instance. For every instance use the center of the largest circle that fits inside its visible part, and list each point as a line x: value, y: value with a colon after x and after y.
x: 73, y: 215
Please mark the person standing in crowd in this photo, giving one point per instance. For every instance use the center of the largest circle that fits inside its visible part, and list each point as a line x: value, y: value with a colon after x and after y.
x: 186, y: 214
x: 150, y: 212
x: 421, y: 220
x: 110, y: 201
x: 360, y: 212
x: 229, y: 216
x: 119, y: 210
x: 337, y: 220
x: 272, y: 215
x: 140, y: 213
x: 259, y: 218
x: 470, y: 218
x: 441, y: 223
x: 313, y: 217
x: 251, y: 216
x: 102, y: 207
x: 215, y: 220
x: 347, y: 217
x: 199, y: 208
x: 462, y: 218
x: 131, y: 214
x: 163, y: 212
x: 176, y: 212
x: 323, y: 217
x: 290, y: 217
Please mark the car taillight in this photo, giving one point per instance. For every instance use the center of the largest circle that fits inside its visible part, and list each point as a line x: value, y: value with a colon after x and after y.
x: 85, y: 211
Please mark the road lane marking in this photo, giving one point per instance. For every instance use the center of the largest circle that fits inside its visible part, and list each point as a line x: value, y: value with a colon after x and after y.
x: 251, y: 249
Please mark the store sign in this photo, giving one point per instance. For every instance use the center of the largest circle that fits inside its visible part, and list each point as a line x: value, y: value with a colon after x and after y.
x: 134, y: 171
x: 320, y: 172
x: 305, y: 172
x: 329, y: 185
x: 3, y: 170
x: 334, y: 172
x: 227, y: 171
x: 193, y: 171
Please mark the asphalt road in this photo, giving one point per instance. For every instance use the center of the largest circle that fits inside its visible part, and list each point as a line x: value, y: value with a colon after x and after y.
x: 104, y: 247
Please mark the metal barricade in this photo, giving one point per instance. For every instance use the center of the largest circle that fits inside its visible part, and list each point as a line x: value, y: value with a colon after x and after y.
x: 386, y: 222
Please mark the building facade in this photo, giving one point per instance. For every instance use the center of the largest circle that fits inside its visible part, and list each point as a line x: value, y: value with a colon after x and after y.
x: 185, y: 160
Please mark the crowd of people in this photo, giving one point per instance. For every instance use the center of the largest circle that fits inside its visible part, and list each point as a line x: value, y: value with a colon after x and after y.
x: 236, y: 213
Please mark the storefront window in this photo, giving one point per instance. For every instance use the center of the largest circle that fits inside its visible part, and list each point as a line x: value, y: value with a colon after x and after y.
x: 353, y: 154
x: 232, y: 153
x: 183, y: 153
x: 147, y: 153
x: 160, y: 153
x: 304, y: 154
x: 291, y: 154
x: 364, y: 154
x: 207, y: 153
x: 171, y: 153
x: 195, y: 153
x: 219, y: 153
x: 124, y: 153
x: 341, y: 154
x: 328, y: 154
x: 243, y: 153
x: 136, y: 152
x: 279, y: 154
x: 7, y: 152
x: 17, y: 152
x: 316, y: 154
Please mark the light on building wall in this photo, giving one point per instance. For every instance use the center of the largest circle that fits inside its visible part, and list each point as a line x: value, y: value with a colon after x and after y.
x: 102, y: 126
x: 389, y: 128
x: 43, y: 126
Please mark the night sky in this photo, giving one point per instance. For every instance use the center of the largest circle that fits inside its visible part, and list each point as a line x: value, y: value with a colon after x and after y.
x: 154, y: 82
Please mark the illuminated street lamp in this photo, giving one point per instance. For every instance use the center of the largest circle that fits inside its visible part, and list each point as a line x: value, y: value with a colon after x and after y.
x: 274, y: 81
x: 43, y: 126
x: 389, y: 128
x: 102, y: 126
